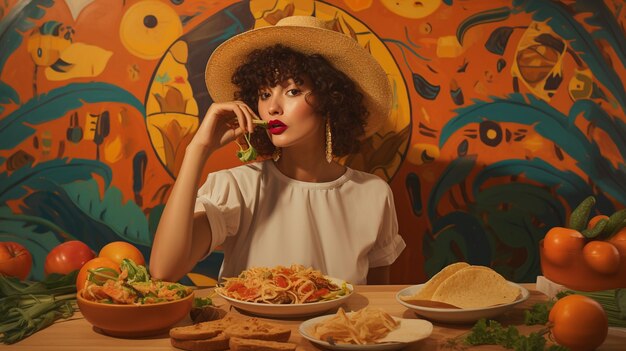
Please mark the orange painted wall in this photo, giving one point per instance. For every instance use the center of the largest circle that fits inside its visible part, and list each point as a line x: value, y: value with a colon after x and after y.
x: 506, y: 115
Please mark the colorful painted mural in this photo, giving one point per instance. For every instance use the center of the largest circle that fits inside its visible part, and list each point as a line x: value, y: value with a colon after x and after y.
x: 506, y: 114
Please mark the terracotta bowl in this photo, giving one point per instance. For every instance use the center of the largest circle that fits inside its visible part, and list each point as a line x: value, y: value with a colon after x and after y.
x: 130, y: 321
x: 576, y: 274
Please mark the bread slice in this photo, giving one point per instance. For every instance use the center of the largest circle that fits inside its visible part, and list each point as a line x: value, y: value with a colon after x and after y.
x: 255, y: 329
x: 239, y: 344
x: 204, y: 330
x: 215, y: 335
x: 216, y: 343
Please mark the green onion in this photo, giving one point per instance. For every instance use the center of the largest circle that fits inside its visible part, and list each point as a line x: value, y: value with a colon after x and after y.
x: 100, y: 275
x: 260, y: 123
x: 27, y: 307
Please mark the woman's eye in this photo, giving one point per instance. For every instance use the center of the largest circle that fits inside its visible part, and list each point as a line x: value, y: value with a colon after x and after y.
x: 264, y: 95
x: 293, y: 92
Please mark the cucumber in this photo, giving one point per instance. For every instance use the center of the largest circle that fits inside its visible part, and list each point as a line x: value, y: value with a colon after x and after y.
x: 616, y: 222
x: 580, y: 216
x: 596, y: 230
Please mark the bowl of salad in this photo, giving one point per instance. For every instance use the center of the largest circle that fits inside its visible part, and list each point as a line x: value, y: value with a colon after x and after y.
x: 131, y: 304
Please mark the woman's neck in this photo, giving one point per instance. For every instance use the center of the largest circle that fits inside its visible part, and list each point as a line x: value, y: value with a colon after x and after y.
x: 308, y: 165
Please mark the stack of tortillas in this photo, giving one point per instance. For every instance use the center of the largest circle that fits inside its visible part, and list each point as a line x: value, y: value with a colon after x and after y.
x: 466, y: 286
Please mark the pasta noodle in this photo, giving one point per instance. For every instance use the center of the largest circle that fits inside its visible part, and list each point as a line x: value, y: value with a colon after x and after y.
x: 362, y: 327
x: 281, y: 285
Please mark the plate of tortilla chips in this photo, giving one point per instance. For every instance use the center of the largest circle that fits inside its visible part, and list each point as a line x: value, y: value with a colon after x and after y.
x: 463, y: 293
x: 369, y: 328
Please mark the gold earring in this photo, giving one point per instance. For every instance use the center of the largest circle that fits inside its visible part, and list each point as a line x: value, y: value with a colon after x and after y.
x: 276, y: 154
x: 329, y: 142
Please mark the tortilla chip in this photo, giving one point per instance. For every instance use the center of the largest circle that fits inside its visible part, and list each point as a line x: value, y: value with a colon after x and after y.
x: 476, y: 287
x: 427, y: 291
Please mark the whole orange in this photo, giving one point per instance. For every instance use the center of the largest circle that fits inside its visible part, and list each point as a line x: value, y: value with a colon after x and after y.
x: 595, y: 219
x: 119, y: 250
x: 578, y: 323
x: 98, y: 262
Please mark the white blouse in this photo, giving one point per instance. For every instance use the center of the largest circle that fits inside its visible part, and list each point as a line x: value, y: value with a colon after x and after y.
x: 262, y: 218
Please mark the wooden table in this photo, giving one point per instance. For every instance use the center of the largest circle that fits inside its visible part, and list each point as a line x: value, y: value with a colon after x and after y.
x: 78, y: 334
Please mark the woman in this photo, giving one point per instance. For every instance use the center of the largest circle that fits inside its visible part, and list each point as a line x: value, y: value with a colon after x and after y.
x: 320, y: 93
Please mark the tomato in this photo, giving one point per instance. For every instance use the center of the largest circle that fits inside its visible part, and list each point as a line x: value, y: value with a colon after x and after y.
x: 595, y: 219
x: 562, y: 244
x: 67, y: 257
x: 305, y: 288
x: 318, y: 294
x: 249, y: 293
x: 602, y: 256
x: 286, y: 271
x: 244, y: 293
x: 15, y: 260
x: 98, y: 262
x: 236, y: 287
x: 578, y: 323
x: 281, y: 281
x: 119, y: 250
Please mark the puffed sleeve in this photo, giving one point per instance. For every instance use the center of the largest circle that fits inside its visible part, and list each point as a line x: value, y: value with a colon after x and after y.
x: 389, y: 244
x: 221, y: 199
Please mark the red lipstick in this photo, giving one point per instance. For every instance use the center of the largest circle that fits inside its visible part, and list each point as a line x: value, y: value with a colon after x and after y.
x: 276, y: 127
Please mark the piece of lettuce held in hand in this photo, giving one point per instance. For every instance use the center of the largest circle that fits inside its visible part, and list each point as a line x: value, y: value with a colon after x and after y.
x: 248, y: 154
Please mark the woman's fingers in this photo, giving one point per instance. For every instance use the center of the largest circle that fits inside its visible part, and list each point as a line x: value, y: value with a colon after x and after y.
x: 248, y: 113
x: 225, y: 122
x: 244, y: 115
x: 252, y: 115
x: 241, y: 117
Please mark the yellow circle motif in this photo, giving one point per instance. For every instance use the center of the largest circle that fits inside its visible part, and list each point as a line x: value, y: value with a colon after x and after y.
x: 411, y: 8
x: 148, y: 28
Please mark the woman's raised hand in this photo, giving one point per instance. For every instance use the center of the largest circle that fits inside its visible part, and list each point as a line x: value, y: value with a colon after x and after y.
x: 180, y: 234
x: 223, y: 123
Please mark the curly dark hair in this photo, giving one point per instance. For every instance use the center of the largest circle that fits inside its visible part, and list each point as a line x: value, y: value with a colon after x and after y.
x: 336, y: 95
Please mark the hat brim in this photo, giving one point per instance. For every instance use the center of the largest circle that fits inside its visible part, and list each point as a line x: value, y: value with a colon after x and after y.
x: 343, y: 52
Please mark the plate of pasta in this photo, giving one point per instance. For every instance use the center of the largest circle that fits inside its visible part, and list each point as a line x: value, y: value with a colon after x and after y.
x: 294, y: 291
x: 369, y: 328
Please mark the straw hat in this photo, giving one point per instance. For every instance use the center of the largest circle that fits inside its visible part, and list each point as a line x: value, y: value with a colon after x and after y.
x: 308, y: 35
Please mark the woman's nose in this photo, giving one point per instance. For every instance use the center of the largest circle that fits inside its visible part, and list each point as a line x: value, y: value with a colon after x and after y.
x: 274, y: 107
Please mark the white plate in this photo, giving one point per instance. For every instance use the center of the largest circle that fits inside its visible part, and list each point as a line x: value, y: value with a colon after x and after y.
x: 465, y: 315
x: 308, y: 325
x: 291, y: 310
